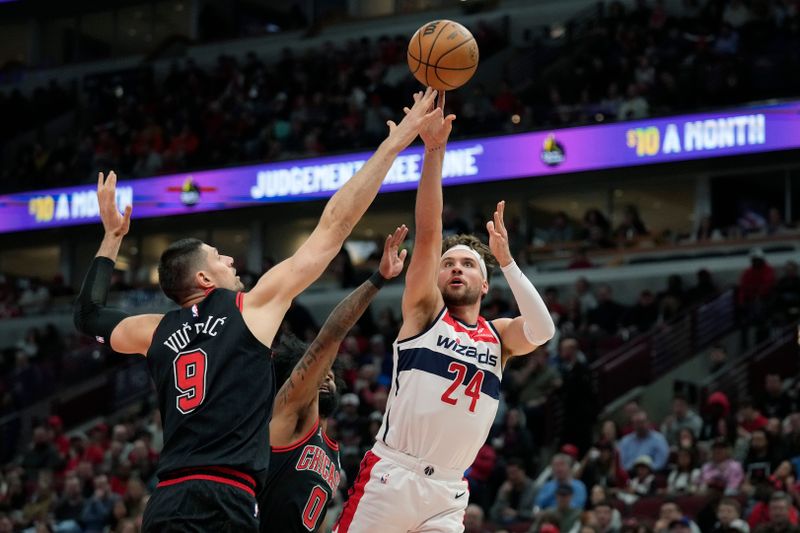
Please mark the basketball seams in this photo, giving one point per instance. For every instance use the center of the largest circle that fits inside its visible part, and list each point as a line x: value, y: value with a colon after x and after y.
x: 438, y: 67
x: 433, y: 44
x: 419, y: 61
x: 459, y: 45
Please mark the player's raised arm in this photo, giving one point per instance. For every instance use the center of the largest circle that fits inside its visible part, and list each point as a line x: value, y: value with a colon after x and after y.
x: 126, y: 334
x: 422, y: 299
x: 520, y: 335
x: 303, y: 384
x: 275, y: 290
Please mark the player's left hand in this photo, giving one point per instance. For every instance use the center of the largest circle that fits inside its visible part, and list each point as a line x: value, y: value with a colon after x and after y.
x: 114, y: 222
x: 498, y: 236
x: 392, y: 260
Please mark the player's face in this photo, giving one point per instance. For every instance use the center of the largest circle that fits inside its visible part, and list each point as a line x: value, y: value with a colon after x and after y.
x: 328, y: 399
x: 461, y: 280
x: 221, y: 271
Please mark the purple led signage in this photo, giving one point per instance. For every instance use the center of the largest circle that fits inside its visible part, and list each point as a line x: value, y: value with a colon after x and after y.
x: 742, y: 131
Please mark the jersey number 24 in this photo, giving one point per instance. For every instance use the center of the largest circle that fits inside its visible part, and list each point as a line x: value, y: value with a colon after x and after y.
x: 473, y: 389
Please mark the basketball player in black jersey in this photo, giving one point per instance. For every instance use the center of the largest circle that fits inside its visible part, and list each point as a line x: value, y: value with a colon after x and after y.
x: 210, y: 359
x: 304, y: 469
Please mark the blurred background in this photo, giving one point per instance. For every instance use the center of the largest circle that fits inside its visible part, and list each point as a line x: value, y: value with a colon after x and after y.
x: 647, y: 151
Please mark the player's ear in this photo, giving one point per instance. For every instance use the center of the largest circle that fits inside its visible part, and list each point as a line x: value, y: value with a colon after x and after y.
x: 203, y: 281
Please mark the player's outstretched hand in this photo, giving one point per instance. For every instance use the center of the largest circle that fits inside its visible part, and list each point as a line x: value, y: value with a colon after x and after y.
x: 416, y: 119
x: 114, y: 222
x: 436, y: 130
x: 498, y: 236
x: 392, y: 260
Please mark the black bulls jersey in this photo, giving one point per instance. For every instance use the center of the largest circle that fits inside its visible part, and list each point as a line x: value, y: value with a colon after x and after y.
x: 215, y: 385
x: 301, y: 482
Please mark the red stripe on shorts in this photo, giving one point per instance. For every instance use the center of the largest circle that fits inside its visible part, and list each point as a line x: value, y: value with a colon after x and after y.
x: 349, y: 511
x: 203, y: 477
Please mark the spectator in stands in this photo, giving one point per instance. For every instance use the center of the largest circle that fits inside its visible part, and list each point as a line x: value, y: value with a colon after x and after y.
x: 786, y: 298
x: 729, y: 513
x: 717, y: 358
x: 606, y: 318
x: 760, y: 461
x: 641, y: 483
x: 775, y: 402
x: 535, y: 382
x: 643, y: 441
x: 577, y: 396
x: 515, y: 498
x: 70, y: 505
x: 750, y: 419
x: 604, y: 517
x: 514, y: 438
x: 480, y: 474
x: 672, y: 300
x: 96, y: 513
x: 596, y: 229
x: 643, y: 315
x: 706, y: 232
x: 684, y: 476
x: 561, y: 465
x: 560, y: 230
x: 775, y: 222
x: 669, y: 513
x: 782, y: 517
x: 631, y: 227
x: 722, y: 467
x: 682, y: 417
x: 567, y: 515
x: 42, y: 454
x: 704, y: 290
x: 473, y: 519
x: 755, y: 288
x: 718, y: 422
x: 42, y: 500
x: 601, y: 467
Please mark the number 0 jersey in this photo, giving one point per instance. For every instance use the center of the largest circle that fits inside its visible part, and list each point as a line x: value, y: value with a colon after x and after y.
x: 215, y: 385
x: 302, y: 480
x: 445, y: 392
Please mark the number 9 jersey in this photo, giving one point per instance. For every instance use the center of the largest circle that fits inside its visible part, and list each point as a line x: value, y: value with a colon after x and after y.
x: 216, y: 386
x: 445, y: 392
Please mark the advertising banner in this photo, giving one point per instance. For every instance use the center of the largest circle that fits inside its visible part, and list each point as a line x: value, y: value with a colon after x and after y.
x: 744, y: 131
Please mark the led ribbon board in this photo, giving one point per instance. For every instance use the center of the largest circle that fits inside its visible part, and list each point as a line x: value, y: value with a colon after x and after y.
x: 747, y: 130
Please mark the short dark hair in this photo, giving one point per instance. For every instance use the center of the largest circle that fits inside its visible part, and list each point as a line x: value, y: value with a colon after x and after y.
x: 731, y: 502
x: 175, y: 269
x: 286, y: 356
x: 475, y: 243
x: 604, y: 503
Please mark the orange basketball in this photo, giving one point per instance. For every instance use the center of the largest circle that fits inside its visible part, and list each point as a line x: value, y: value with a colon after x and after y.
x: 443, y: 54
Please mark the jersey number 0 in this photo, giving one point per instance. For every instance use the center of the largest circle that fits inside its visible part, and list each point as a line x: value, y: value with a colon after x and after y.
x: 190, y: 380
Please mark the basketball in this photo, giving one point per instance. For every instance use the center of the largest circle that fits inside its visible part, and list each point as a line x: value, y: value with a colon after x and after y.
x: 443, y: 54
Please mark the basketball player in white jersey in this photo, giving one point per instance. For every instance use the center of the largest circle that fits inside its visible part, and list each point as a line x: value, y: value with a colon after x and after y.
x: 448, y: 363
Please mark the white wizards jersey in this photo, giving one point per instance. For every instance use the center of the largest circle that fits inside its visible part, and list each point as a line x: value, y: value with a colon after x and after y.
x: 445, y: 392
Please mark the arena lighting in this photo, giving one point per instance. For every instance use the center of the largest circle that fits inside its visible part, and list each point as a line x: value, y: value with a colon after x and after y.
x: 746, y: 130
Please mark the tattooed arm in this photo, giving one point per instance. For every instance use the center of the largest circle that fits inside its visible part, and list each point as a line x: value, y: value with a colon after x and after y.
x: 301, y: 390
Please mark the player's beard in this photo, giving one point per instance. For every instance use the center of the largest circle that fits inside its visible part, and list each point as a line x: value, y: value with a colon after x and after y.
x: 459, y: 299
x: 328, y: 402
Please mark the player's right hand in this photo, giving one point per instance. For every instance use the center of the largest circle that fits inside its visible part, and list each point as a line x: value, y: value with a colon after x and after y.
x: 416, y: 119
x: 437, y: 130
x: 114, y: 222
